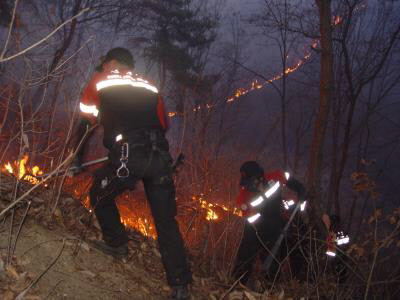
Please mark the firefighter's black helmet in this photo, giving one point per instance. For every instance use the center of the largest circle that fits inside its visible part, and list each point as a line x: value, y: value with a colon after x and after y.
x: 122, y: 55
x: 249, y: 171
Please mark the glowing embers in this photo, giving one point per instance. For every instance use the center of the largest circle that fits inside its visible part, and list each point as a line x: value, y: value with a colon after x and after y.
x: 254, y: 218
x: 267, y: 194
x: 215, y: 211
x: 172, y: 114
x: 117, y: 80
x: 211, y: 214
x: 89, y: 109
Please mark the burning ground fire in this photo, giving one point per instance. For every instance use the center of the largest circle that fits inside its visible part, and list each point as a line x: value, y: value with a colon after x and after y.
x: 20, y: 170
x: 212, y: 209
x: 256, y: 85
x: 145, y: 226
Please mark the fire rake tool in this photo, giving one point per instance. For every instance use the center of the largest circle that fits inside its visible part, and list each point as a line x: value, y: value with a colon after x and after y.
x: 89, y: 163
x: 272, y: 255
x: 175, y: 166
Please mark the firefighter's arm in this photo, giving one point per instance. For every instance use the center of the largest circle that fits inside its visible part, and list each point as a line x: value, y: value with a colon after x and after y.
x: 88, y: 112
x: 243, y: 199
x: 82, y: 129
x: 299, y: 189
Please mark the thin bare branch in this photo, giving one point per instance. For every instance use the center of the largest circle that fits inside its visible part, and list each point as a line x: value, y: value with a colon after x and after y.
x: 44, y: 39
x: 9, y: 30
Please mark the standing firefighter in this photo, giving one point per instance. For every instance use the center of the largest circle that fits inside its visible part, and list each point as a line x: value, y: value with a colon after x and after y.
x: 131, y: 112
x: 260, y: 199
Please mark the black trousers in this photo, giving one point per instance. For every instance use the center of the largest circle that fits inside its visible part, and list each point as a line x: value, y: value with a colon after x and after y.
x: 255, y: 238
x: 153, y: 167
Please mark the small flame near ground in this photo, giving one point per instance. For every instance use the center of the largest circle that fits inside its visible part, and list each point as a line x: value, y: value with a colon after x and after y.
x: 22, y: 171
x: 128, y: 218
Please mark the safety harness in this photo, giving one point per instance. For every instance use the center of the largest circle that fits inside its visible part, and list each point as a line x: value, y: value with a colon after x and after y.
x: 123, y: 171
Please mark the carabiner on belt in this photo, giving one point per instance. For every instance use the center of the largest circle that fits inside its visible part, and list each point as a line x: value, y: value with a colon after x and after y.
x: 123, y: 171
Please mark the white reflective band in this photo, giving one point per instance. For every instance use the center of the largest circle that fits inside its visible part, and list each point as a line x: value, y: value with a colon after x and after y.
x: 342, y: 240
x: 115, y: 80
x: 89, y: 109
x: 267, y: 194
x: 287, y: 175
x: 303, y: 206
x: 285, y: 204
x: 330, y: 253
x: 288, y: 204
x: 257, y: 201
x: 272, y: 190
x: 118, y: 137
x: 253, y: 218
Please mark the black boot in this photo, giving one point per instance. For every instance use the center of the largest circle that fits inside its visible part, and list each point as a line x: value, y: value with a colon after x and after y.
x: 117, y: 252
x: 180, y: 292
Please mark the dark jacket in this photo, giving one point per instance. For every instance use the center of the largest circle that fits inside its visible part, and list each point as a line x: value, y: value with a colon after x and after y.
x: 122, y: 102
x: 269, y: 206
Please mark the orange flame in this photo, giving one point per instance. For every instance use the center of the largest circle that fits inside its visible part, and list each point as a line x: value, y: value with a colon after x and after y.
x: 9, y: 168
x: 36, y: 171
x: 22, y: 171
x: 22, y: 168
x: 211, y: 214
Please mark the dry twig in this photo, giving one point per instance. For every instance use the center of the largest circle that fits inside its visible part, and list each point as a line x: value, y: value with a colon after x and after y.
x: 23, y: 293
x: 43, y: 39
x: 20, y: 227
x: 232, y: 286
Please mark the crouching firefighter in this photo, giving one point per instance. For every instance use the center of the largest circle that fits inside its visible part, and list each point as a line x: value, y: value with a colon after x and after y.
x: 131, y: 112
x: 260, y: 199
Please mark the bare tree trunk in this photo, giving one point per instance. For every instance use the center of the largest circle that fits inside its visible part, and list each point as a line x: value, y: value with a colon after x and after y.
x: 336, y: 106
x: 283, y: 118
x: 326, y: 92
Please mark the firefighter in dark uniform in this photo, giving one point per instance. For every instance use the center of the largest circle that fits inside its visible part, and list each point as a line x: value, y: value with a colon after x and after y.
x: 131, y: 112
x: 337, y: 242
x: 260, y: 200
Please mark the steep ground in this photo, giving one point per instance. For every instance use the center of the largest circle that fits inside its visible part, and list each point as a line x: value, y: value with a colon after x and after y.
x: 52, y: 261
